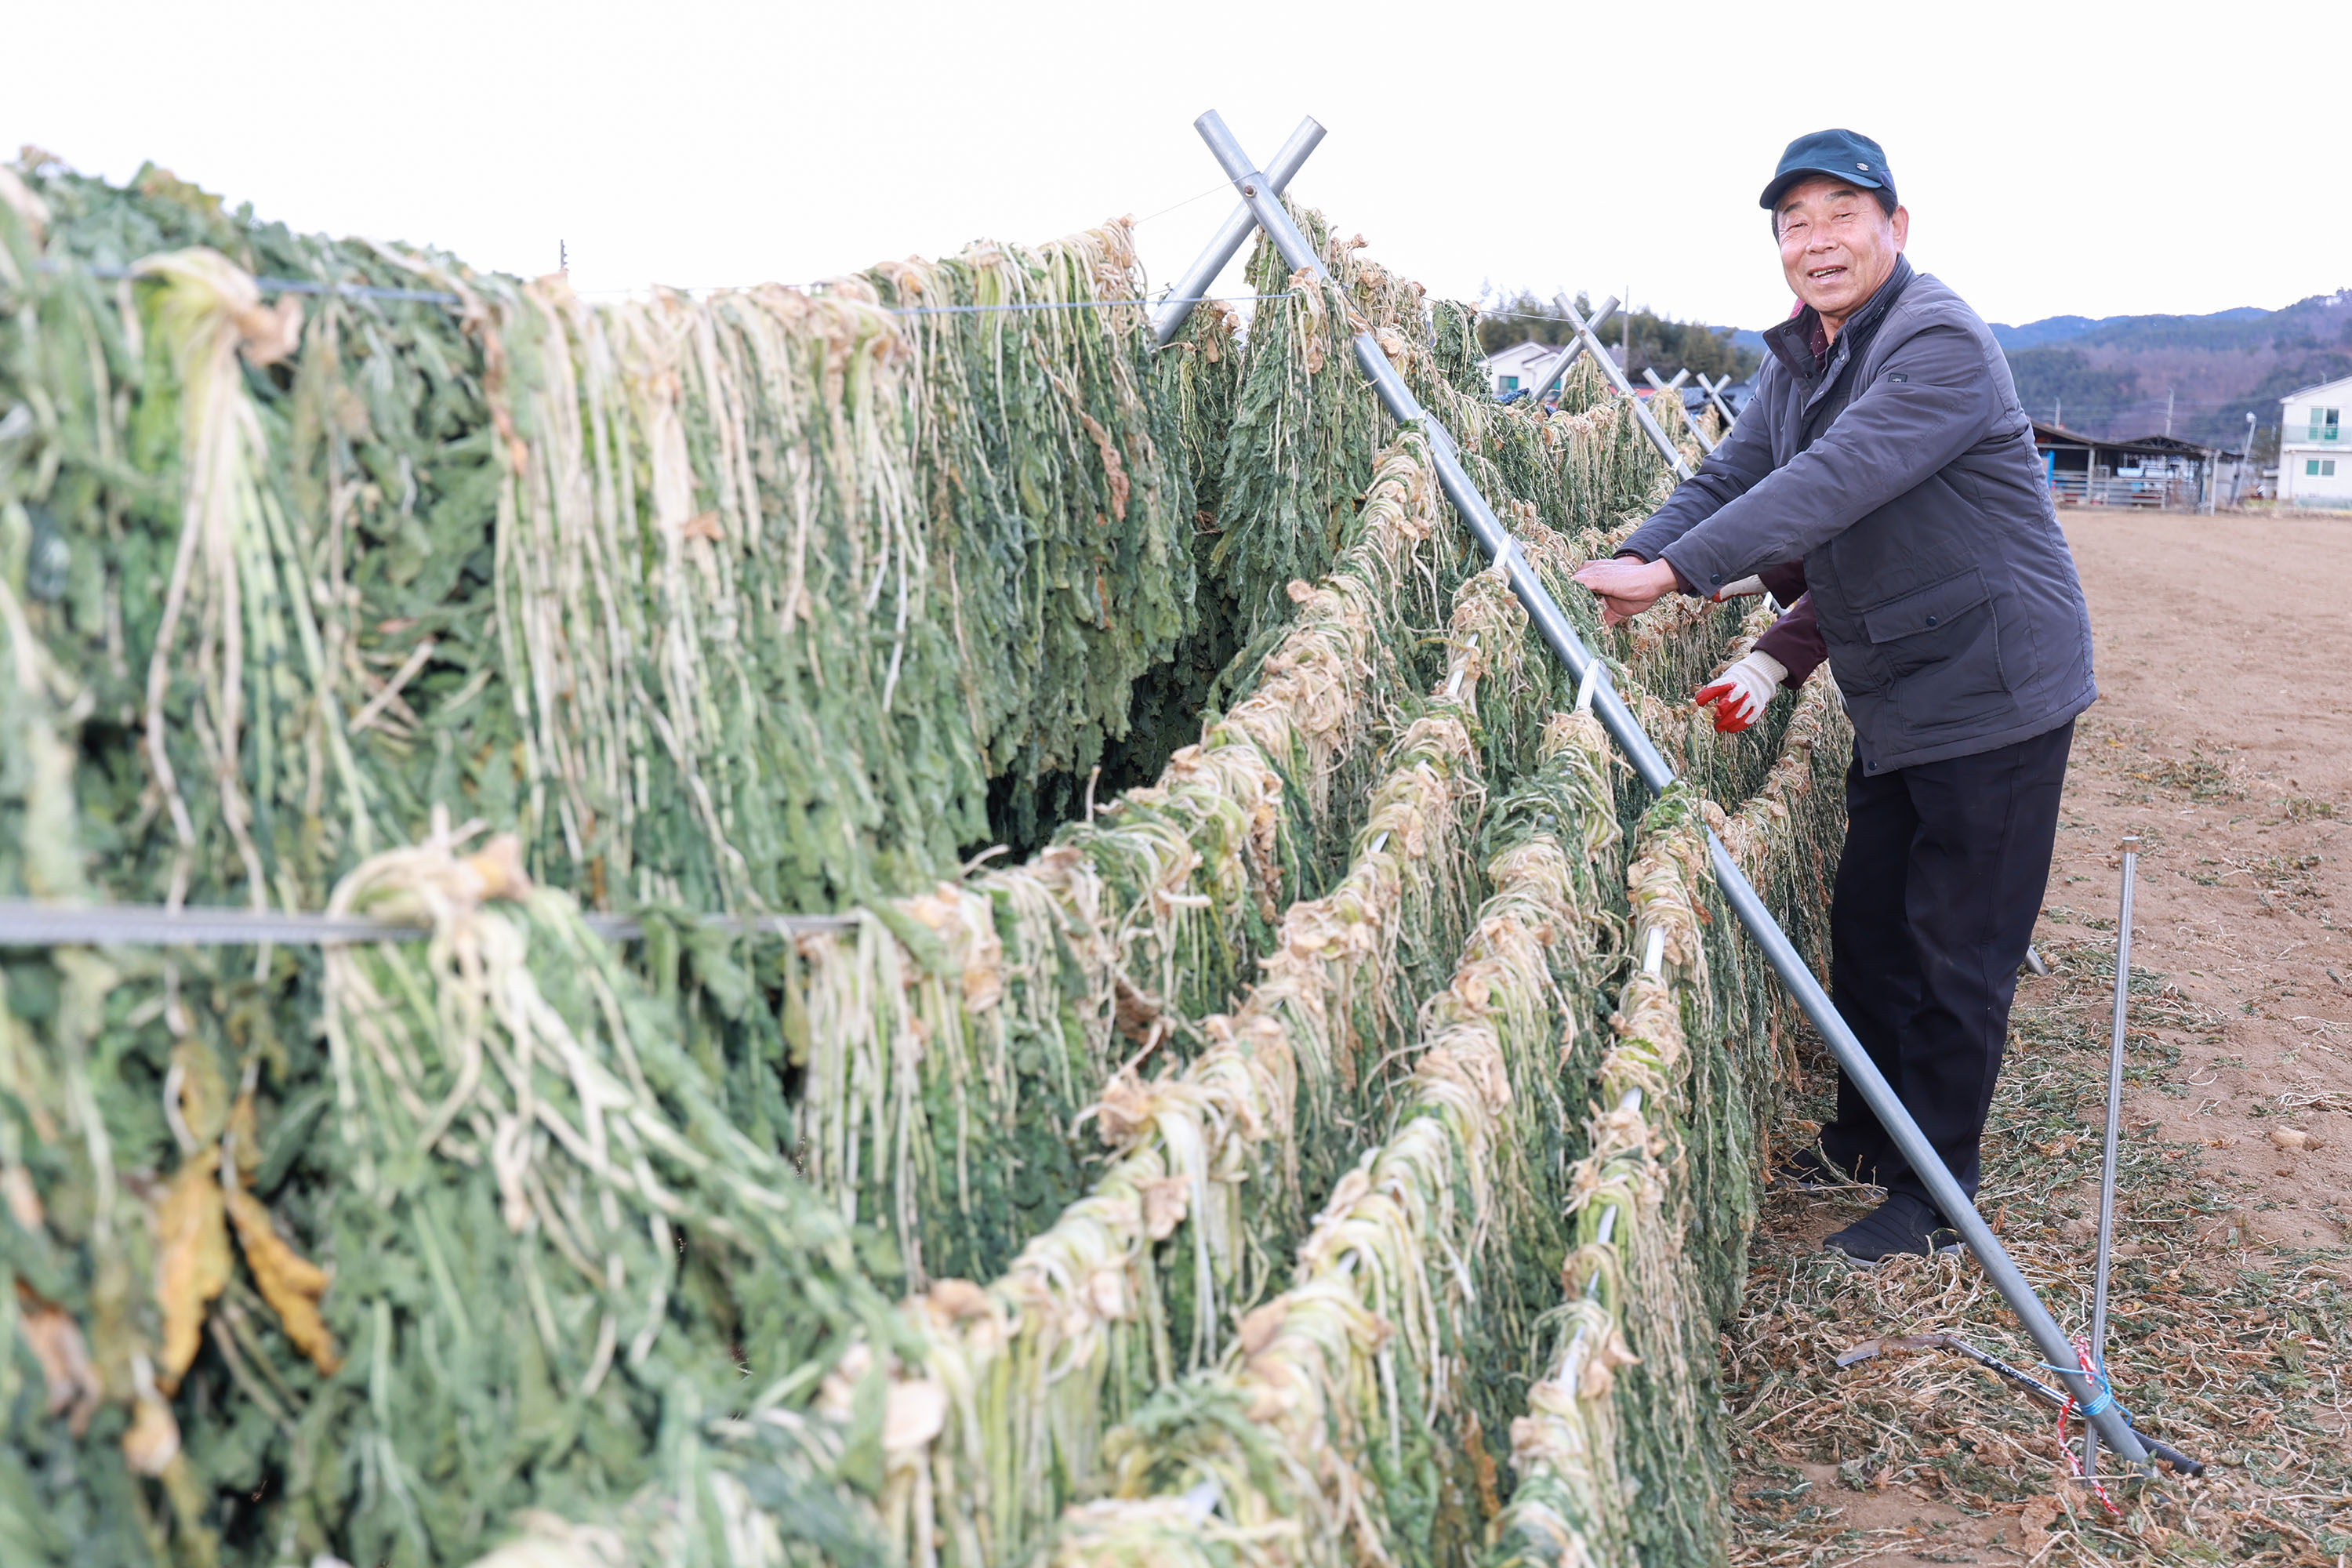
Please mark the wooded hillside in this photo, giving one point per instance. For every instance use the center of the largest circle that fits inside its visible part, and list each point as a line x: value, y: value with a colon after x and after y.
x: 1660, y: 343
x: 2110, y: 378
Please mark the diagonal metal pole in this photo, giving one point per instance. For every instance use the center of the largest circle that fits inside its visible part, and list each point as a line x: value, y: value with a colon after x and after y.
x: 1202, y: 276
x: 1551, y: 623
x: 1675, y: 387
x: 1560, y: 362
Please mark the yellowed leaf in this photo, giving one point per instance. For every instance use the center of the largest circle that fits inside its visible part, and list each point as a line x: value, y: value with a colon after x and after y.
x: 192, y: 1263
x: 203, y: 1104
x: 245, y: 1133
x: 289, y: 1282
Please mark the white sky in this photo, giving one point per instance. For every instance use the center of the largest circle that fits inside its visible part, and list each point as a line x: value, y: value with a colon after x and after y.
x: 2057, y: 158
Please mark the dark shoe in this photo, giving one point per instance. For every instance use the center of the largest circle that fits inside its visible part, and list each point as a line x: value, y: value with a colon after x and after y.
x: 1901, y: 1227
x: 1811, y: 1171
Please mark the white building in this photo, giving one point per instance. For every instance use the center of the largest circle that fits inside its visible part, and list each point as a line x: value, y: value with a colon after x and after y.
x: 1518, y: 365
x: 2315, y: 446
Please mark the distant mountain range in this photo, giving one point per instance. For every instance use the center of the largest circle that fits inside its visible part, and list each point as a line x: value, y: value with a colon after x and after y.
x: 2109, y: 376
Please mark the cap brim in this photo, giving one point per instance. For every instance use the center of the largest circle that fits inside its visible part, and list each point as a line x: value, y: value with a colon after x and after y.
x: 1787, y: 177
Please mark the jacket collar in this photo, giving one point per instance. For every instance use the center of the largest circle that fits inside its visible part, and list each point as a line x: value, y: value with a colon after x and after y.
x: 1791, y: 340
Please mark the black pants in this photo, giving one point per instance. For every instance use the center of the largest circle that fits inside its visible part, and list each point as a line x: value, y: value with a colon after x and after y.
x: 1942, y: 877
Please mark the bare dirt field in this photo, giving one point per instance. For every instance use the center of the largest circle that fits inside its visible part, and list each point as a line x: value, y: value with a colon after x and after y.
x: 2222, y: 739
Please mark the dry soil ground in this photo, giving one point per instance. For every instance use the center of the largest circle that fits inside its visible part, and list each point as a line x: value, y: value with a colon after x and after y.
x: 2224, y: 738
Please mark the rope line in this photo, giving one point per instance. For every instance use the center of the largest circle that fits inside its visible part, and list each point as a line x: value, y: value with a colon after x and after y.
x: 25, y: 923
x: 1077, y: 305
x: 439, y: 297
x: 1188, y: 201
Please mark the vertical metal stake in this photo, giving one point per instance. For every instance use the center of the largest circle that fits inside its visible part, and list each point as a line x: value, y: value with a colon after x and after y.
x: 2114, y: 1132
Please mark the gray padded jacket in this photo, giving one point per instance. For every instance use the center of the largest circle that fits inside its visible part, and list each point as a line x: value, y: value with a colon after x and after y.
x: 1902, y: 473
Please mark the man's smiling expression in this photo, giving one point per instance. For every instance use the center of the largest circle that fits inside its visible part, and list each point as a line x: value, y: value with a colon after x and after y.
x: 1837, y: 246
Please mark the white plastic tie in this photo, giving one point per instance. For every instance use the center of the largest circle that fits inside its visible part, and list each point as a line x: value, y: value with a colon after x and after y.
x: 1454, y: 681
x: 1587, y: 684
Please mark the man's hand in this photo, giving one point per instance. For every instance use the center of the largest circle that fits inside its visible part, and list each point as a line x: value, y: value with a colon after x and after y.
x: 1626, y: 587
x: 1739, y: 694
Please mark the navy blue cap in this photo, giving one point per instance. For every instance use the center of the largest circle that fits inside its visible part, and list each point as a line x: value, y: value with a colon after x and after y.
x: 1840, y: 154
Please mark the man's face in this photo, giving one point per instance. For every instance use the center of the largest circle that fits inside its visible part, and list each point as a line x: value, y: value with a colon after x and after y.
x: 1837, y: 246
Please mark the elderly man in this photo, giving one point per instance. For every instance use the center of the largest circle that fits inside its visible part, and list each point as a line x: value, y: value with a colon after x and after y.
x: 1885, y: 466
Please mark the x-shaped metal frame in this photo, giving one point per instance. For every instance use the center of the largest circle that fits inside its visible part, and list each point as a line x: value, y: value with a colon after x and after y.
x: 1675, y: 386
x: 1714, y: 390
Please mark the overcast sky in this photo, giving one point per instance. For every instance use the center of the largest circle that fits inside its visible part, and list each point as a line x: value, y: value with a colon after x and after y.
x: 2056, y: 159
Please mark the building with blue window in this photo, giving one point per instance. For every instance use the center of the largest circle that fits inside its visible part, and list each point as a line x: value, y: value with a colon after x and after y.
x: 1518, y: 366
x: 2315, y: 452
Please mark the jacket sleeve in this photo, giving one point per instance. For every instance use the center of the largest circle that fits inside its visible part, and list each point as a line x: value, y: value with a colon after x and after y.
x: 1932, y: 400
x: 1741, y: 459
x: 1796, y: 641
x: 1785, y: 583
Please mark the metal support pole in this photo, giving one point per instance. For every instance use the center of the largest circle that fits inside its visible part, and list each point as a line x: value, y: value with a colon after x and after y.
x: 1675, y: 386
x: 2114, y: 1136
x: 1568, y: 356
x: 1560, y: 635
x: 1202, y: 276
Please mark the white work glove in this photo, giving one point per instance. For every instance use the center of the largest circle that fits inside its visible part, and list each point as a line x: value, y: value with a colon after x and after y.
x: 1738, y: 694
x: 1740, y: 590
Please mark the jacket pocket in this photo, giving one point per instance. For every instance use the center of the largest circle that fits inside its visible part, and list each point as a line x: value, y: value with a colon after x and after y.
x: 1941, y: 648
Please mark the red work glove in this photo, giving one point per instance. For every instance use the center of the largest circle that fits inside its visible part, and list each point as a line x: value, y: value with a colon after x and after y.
x: 1738, y: 694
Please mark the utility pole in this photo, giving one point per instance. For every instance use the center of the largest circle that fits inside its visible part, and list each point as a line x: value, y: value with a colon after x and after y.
x: 2168, y: 411
x: 2058, y: 411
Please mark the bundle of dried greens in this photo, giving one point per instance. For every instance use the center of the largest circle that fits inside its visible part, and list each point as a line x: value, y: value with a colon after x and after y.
x: 745, y: 602
x: 1619, y: 1454
x: 494, y: 1248
x: 947, y: 1045
x: 1066, y: 487
x: 1136, y: 1281
x: 1347, y: 1423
